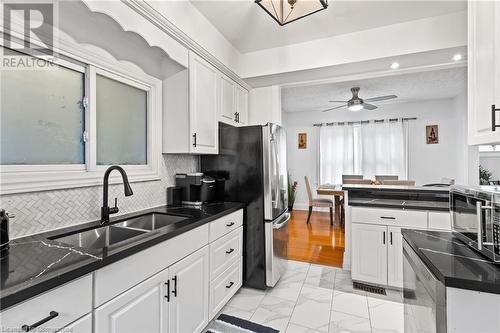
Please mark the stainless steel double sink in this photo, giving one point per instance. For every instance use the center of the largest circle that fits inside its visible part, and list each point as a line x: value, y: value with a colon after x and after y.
x: 121, y: 231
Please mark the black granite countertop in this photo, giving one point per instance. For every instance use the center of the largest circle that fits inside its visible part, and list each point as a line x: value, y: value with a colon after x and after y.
x: 453, y: 262
x: 399, y: 197
x: 401, y: 204
x: 36, y: 264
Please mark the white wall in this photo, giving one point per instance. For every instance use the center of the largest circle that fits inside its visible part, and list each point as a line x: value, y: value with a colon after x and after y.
x: 433, y: 33
x: 427, y: 163
x: 188, y: 18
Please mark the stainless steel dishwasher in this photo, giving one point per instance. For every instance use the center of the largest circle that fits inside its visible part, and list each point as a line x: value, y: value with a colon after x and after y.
x: 424, y: 296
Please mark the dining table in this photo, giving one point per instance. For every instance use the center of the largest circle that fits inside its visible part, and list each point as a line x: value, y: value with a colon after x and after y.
x: 338, y: 193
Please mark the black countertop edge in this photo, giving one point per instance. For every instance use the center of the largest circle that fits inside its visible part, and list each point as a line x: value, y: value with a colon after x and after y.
x: 492, y: 287
x: 403, y: 207
x: 393, y: 188
x: 110, y: 256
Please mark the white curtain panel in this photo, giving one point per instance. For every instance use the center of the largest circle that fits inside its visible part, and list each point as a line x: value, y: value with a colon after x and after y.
x: 375, y: 148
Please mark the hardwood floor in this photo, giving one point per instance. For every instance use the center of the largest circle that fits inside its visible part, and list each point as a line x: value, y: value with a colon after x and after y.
x: 316, y: 242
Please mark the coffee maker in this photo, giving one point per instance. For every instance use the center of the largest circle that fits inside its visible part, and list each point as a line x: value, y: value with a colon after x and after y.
x: 196, y: 188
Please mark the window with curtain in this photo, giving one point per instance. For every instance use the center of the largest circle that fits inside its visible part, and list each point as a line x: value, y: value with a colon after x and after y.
x: 369, y: 149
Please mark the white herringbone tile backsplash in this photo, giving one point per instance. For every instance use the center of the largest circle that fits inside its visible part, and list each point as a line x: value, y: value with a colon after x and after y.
x: 41, y: 211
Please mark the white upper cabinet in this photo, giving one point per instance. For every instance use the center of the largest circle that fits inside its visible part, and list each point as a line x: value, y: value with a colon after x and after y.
x: 242, y: 105
x: 191, y: 108
x: 227, y: 112
x: 195, y: 100
x: 233, y: 102
x: 203, y: 105
x: 484, y: 72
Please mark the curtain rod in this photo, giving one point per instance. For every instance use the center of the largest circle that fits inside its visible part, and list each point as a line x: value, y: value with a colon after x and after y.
x: 342, y: 123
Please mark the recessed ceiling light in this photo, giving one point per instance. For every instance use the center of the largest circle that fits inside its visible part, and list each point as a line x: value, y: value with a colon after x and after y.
x: 395, y: 65
x: 457, y: 57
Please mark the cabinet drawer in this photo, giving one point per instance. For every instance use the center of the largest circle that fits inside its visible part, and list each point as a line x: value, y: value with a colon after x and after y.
x: 395, y: 217
x: 225, y: 224
x: 224, y: 287
x: 439, y: 220
x: 224, y: 251
x: 70, y: 302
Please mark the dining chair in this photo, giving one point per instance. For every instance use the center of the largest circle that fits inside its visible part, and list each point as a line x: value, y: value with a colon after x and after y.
x: 317, y: 202
x: 357, y: 182
x: 386, y: 177
x: 344, y: 177
x: 398, y: 182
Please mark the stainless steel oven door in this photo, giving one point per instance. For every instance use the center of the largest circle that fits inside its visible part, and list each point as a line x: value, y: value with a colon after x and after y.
x: 424, y: 296
x: 276, y: 248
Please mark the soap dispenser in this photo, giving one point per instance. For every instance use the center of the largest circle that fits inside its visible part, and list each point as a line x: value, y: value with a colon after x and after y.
x: 4, y: 232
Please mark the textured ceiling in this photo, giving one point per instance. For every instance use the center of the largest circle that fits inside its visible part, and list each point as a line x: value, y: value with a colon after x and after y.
x: 249, y: 28
x: 438, y: 84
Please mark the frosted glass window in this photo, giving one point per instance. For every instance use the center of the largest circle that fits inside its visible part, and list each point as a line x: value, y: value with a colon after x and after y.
x: 41, y: 118
x: 121, y: 123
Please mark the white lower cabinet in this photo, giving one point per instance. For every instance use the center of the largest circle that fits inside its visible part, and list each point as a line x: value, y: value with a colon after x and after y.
x: 377, y: 242
x: 188, y: 306
x: 395, y: 257
x: 174, y: 300
x: 226, y: 269
x: 140, y: 309
x: 369, y: 253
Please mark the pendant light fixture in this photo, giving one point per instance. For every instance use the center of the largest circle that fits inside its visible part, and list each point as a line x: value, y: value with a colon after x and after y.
x: 286, y: 11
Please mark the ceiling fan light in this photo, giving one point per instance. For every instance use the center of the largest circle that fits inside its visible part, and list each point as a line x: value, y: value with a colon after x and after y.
x: 286, y: 11
x: 355, y: 107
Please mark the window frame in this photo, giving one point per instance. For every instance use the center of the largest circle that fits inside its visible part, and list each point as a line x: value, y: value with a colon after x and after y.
x: 31, y: 178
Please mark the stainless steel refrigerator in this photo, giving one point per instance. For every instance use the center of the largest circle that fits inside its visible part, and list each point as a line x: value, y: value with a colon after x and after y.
x: 252, y: 160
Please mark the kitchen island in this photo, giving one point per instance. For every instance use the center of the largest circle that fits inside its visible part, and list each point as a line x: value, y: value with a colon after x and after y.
x: 375, y: 216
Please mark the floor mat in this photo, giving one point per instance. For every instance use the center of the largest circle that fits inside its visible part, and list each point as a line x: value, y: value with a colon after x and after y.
x: 230, y: 324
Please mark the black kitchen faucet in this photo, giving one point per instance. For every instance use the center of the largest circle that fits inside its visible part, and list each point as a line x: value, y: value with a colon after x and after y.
x: 105, y: 209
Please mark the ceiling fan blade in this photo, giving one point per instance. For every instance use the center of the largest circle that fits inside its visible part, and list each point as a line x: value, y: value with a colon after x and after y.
x: 367, y: 106
x: 380, y: 98
x: 337, y: 101
x: 335, y: 108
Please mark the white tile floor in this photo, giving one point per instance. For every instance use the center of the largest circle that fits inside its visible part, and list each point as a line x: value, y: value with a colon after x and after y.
x: 313, y: 298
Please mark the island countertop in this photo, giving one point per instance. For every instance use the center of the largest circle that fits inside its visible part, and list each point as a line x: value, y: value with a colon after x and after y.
x: 399, y: 197
x: 453, y: 262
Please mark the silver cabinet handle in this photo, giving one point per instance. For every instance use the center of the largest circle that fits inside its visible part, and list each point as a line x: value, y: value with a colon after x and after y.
x: 383, y: 238
x: 479, y: 216
x: 387, y: 217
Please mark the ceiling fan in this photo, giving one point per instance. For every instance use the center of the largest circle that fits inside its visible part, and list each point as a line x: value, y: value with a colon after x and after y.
x: 357, y: 104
